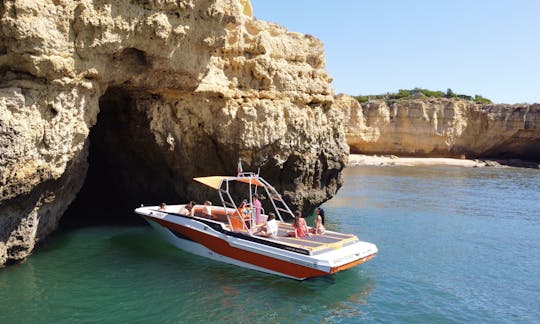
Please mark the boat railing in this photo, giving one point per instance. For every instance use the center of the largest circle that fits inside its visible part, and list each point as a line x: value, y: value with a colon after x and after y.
x: 237, y: 221
x: 256, y: 183
x: 283, y: 210
x: 276, y: 200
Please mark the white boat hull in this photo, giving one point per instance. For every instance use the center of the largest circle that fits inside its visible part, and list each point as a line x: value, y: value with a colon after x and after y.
x: 212, y: 240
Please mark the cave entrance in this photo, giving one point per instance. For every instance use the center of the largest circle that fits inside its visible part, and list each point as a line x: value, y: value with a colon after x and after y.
x: 125, y: 170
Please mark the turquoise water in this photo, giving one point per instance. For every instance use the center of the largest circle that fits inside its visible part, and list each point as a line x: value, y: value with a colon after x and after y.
x: 456, y: 245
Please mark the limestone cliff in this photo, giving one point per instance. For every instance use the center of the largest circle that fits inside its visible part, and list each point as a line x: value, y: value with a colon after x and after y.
x: 171, y: 90
x: 442, y: 127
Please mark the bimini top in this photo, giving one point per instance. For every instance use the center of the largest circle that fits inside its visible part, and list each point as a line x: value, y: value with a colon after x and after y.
x: 215, y: 181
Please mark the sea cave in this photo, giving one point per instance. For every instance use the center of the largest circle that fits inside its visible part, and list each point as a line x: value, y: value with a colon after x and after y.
x: 125, y: 167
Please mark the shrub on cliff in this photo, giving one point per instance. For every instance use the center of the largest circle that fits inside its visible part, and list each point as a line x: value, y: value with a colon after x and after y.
x: 430, y: 93
x: 362, y: 99
x: 419, y: 93
x: 480, y: 99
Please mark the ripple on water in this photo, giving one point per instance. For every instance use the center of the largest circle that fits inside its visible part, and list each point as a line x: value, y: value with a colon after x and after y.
x: 456, y: 245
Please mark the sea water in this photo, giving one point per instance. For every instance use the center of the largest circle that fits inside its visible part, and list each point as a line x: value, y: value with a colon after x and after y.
x: 455, y: 245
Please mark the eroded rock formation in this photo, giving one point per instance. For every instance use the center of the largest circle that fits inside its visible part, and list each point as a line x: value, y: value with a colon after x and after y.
x: 442, y: 128
x: 184, y: 87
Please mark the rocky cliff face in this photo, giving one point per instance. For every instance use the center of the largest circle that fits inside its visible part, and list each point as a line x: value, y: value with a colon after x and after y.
x: 144, y: 95
x: 442, y: 127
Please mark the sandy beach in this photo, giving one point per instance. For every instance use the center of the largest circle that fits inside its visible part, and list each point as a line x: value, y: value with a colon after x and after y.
x: 386, y: 160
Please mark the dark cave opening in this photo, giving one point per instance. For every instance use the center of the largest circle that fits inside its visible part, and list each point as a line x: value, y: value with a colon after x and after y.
x: 125, y: 170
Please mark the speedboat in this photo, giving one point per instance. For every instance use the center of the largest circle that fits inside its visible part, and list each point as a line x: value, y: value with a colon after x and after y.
x: 225, y: 233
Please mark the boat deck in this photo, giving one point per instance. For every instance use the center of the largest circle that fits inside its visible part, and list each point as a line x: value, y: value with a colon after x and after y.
x: 311, y: 245
x: 315, y: 243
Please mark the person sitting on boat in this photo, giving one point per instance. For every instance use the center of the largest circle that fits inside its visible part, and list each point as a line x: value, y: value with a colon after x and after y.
x: 188, y: 209
x: 270, y: 229
x: 244, y: 209
x: 207, y: 210
x: 162, y: 207
x: 300, y: 226
x: 319, y: 222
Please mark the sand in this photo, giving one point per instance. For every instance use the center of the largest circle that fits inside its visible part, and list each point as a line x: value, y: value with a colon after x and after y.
x: 360, y: 159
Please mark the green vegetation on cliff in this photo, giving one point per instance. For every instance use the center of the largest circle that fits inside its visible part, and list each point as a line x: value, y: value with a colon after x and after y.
x: 419, y: 93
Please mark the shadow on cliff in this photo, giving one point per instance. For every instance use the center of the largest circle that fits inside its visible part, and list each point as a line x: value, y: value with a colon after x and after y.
x: 521, y: 150
x: 125, y: 167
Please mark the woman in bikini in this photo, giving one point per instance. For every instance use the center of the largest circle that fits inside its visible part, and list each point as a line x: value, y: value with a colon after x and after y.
x: 300, y: 226
x: 319, y: 222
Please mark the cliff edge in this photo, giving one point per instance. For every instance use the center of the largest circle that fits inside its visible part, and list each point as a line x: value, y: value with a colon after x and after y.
x: 439, y: 127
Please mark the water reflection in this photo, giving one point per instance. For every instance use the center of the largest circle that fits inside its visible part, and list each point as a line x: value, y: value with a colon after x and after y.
x: 252, y: 294
x: 22, y: 283
x: 448, y: 238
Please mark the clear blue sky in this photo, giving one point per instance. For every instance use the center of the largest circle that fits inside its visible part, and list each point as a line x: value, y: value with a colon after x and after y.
x: 490, y: 48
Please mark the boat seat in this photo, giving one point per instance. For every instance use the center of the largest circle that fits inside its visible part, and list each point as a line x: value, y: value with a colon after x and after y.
x: 236, y: 222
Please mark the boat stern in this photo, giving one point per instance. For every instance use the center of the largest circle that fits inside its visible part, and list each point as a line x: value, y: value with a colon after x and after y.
x: 350, y: 256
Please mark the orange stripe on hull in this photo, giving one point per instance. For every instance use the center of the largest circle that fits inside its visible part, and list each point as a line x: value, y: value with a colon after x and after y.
x: 223, y: 248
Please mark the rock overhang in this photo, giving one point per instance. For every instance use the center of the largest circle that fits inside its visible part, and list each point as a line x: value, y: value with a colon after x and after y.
x: 204, y: 79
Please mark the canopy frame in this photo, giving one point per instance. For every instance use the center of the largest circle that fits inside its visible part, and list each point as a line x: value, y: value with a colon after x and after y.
x: 255, y: 182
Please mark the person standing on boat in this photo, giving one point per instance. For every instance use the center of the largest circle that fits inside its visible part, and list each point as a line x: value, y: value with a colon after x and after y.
x: 258, y: 207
